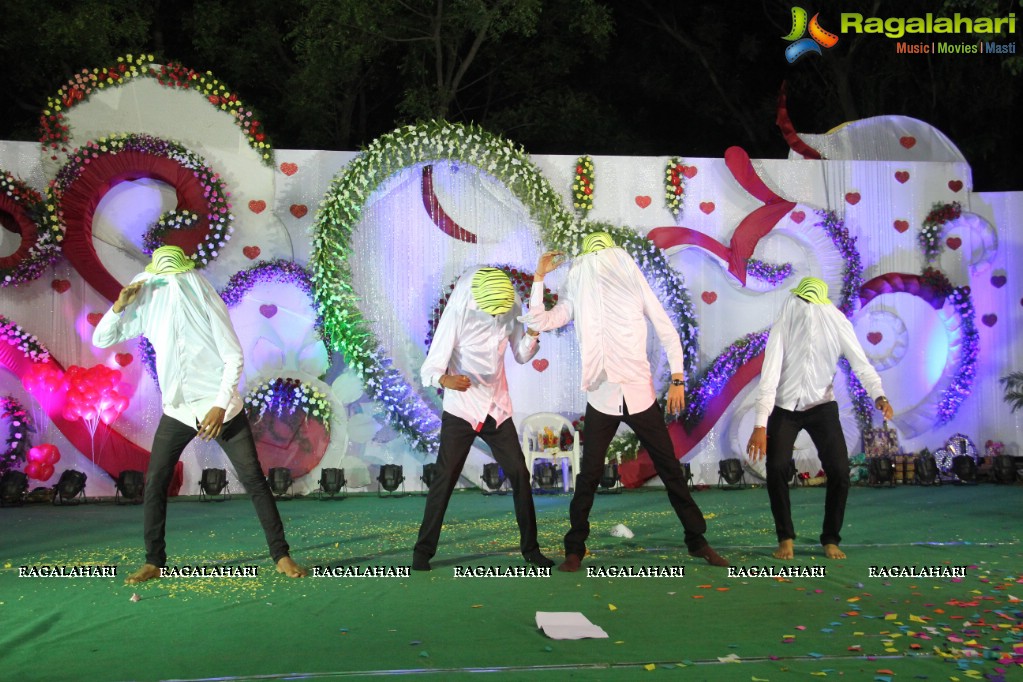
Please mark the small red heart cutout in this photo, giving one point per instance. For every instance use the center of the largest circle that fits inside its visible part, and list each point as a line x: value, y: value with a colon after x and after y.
x: 60, y: 285
x: 874, y: 338
x: 124, y: 359
x: 268, y: 310
x: 94, y: 318
x: 299, y: 210
x: 690, y: 171
x: 907, y: 141
x: 902, y: 177
x: 998, y: 281
x: 797, y: 217
x: 955, y: 185
x: 901, y: 225
x: 643, y: 201
x: 954, y: 243
x: 989, y: 319
x: 289, y: 168
x: 541, y: 365
x: 852, y: 198
x: 709, y: 297
x: 251, y: 252
x: 257, y: 205
x: 707, y: 207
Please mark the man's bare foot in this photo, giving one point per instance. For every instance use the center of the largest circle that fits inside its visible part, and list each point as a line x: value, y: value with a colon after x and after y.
x: 288, y: 567
x: 833, y: 552
x: 147, y: 572
x: 785, y: 550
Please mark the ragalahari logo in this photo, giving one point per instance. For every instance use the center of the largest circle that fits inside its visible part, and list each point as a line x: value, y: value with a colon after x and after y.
x: 801, y: 46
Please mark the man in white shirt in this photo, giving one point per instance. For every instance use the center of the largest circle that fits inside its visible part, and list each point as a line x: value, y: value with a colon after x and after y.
x: 610, y: 301
x: 466, y: 359
x: 797, y: 393
x: 198, y: 364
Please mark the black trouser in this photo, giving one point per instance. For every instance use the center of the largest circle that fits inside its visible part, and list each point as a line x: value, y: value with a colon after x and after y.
x: 456, y: 437
x: 825, y: 430
x: 236, y: 440
x: 649, y: 426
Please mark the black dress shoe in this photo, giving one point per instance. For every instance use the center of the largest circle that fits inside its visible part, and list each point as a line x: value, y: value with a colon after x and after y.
x: 420, y: 563
x: 536, y: 558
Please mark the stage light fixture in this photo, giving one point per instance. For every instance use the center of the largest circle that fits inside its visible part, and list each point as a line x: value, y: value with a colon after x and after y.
x: 280, y: 481
x: 430, y: 472
x: 1005, y: 469
x: 882, y: 471
x: 610, y: 481
x: 730, y: 474
x: 493, y: 476
x: 687, y: 475
x: 965, y: 469
x: 213, y: 482
x: 925, y: 470
x: 129, y: 487
x: 13, y: 487
x: 391, y: 476
x: 331, y: 481
x: 70, y: 487
x: 545, y: 476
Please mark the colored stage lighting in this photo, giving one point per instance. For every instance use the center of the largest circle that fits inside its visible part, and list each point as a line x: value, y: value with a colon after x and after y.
x: 70, y: 487
x: 212, y: 482
x: 493, y: 476
x: 280, y: 481
x: 129, y: 486
x: 332, y: 481
x: 13, y: 487
x: 391, y: 476
x: 730, y: 473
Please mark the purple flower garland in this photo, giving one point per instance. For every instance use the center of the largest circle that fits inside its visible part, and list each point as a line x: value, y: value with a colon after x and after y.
x: 18, y: 441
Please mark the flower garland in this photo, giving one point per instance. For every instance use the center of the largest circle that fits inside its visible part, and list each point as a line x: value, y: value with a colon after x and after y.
x: 347, y: 331
x: 582, y: 187
x: 930, y: 233
x: 521, y: 280
x: 219, y: 214
x: 675, y: 186
x: 287, y: 395
x: 852, y: 272
x: 20, y: 425
x: 26, y: 343
x: 275, y: 271
x: 765, y: 272
x: 720, y: 371
x: 171, y: 220
x: 38, y: 250
x: 55, y: 131
x: 962, y: 382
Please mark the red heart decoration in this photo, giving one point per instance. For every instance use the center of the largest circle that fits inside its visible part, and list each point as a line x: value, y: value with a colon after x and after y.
x: 797, y: 217
x: 989, y: 319
x: 60, y: 285
x: 954, y: 243
x: 955, y: 185
x: 94, y: 318
x: 268, y: 310
x: 257, y: 205
x: 852, y: 198
x: 998, y: 281
x: 643, y: 201
x: 901, y: 225
x: 709, y: 297
x: 689, y: 171
x: 251, y: 252
x: 907, y: 141
x: 874, y: 338
x: 902, y: 177
x: 540, y: 365
x: 707, y: 207
x: 299, y: 210
x: 124, y: 359
x: 289, y: 168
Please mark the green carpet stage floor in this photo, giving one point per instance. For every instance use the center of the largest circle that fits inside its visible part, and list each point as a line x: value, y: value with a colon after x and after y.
x: 706, y: 625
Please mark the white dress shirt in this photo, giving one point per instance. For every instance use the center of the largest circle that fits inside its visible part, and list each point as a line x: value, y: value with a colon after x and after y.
x: 199, y: 360
x: 471, y: 342
x: 801, y: 359
x: 610, y: 300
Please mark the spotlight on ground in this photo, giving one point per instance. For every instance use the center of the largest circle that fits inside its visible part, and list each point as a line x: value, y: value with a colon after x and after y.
x: 965, y: 469
x: 213, y: 482
x: 70, y: 487
x: 332, y: 481
x: 730, y: 474
x: 280, y: 482
x: 129, y: 487
x: 390, y: 478
x: 882, y: 471
x: 925, y: 470
x: 493, y: 477
x: 13, y: 487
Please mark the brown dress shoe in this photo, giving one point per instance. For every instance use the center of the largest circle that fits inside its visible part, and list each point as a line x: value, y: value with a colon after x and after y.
x: 571, y: 564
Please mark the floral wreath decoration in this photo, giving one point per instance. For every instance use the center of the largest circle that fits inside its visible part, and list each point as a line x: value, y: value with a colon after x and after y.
x: 345, y: 328
x: 18, y: 440
x: 929, y: 236
x: 286, y: 395
x: 23, y: 211
x: 55, y: 132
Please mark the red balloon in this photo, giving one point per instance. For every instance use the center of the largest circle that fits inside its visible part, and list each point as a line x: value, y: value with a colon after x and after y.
x: 50, y: 452
x: 45, y: 472
x: 32, y: 470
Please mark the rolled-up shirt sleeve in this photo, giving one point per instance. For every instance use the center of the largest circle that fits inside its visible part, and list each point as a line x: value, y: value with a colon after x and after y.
x: 543, y: 320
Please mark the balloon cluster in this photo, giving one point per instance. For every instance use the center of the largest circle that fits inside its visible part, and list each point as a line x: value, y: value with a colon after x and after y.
x: 93, y: 395
x: 41, y: 460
